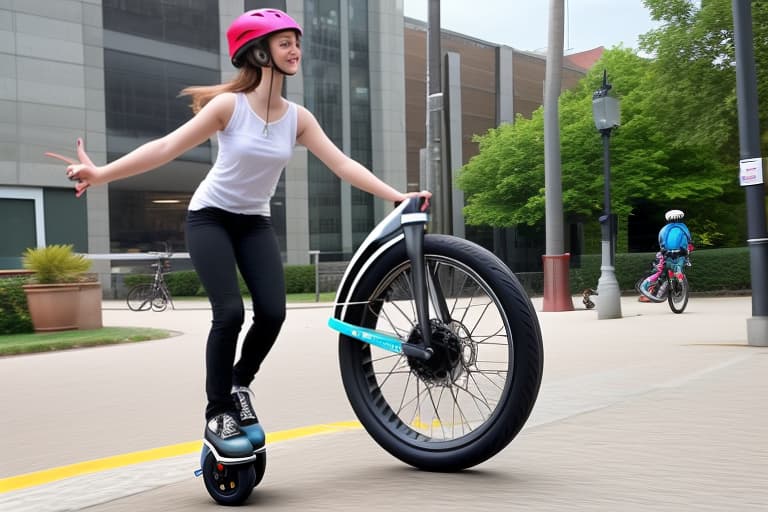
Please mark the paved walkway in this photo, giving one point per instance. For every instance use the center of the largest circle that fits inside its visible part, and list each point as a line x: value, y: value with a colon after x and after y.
x: 652, y: 411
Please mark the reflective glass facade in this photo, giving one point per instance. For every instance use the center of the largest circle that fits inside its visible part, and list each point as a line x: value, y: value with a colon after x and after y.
x: 322, y: 96
x: 141, y: 99
x: 142, y: 102
x: 191, y: 23
x: 141, y: 221
x: 19, y: 213
x: 360, y: 114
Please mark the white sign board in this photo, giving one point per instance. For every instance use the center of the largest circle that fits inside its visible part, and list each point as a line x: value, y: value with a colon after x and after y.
x: 751, y: 172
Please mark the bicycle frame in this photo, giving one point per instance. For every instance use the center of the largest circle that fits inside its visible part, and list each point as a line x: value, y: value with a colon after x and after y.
x: 159, y: 285
x: 406, y: 223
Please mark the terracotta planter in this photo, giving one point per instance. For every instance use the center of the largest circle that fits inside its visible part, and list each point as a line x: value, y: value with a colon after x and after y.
x: 59, y: 307
x: 53, y: 307
x: 89, y: 312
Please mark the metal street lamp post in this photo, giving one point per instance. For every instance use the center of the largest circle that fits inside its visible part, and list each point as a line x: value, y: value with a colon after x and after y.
x: 605, y: 110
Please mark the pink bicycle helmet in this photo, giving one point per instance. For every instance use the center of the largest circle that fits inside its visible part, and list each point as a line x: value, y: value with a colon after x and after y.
x: 251, y: 27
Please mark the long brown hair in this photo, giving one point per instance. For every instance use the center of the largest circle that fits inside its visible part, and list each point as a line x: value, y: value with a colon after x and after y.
x: 246, y: 80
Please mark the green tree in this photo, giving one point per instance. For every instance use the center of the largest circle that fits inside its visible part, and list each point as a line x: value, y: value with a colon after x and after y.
x: 504, y: 183
x: 695, y: 76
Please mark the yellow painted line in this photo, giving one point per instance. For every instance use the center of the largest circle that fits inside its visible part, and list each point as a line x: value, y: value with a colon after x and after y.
x: 15, y: 483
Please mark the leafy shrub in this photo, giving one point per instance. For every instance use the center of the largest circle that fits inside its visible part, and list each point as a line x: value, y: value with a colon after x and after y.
x: 712, y: 270
x: 186, y: 283
x: 131, y: 280
x: 300, y: 278
x: 56, y: 264
x: 183, y: 283
x: 14, y: 314
x: 720, y: 269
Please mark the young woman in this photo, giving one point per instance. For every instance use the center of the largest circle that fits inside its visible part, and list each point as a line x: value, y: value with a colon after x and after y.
x: 228, y: 223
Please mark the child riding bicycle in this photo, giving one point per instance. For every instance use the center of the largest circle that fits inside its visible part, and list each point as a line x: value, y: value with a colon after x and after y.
x: 674, y: 247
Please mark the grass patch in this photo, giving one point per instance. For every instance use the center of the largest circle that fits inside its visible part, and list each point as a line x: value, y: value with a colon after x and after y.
x: 13, y: 344
x: 310, y: 297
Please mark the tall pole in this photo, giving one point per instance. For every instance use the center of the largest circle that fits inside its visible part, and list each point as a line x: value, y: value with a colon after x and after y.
x: 434, y: 151
x: 609, y: 293
x: 557, y: 295
x: 606, y: 136
x: 749, y: 143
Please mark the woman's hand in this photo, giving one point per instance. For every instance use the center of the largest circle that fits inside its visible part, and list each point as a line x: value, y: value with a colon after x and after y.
x: 424, y: 194
x: 84, y: 172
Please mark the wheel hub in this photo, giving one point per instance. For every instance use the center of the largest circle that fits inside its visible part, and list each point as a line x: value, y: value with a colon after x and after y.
x: 446, y: 363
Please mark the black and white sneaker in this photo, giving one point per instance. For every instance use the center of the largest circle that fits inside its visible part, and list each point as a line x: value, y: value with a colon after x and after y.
x: 227, y: 441
x: 243, y: 397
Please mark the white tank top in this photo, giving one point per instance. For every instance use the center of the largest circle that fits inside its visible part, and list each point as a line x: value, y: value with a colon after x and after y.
x: 249, y: 163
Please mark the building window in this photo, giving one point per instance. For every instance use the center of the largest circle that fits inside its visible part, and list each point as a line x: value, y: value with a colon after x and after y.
x: 142, y: 221
x: 191, y: 23
x: 322, y: 95
x: 141, y: 95
x: 360, y: 115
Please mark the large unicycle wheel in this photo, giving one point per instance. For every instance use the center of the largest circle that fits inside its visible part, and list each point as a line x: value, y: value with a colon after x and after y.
x: 472, y: 397
x: 140, y: 297
x: 678, y: 294
x: 228, y: 484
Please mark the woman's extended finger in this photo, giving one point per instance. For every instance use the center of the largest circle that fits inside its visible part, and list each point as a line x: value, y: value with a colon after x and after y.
x: 81, y: 154
x: 60, y: 157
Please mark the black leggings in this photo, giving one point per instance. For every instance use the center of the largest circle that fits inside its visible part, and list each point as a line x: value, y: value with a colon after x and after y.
x: 220, y: 243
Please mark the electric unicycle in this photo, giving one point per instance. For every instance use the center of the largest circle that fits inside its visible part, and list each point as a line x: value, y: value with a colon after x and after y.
x: 231, y: 482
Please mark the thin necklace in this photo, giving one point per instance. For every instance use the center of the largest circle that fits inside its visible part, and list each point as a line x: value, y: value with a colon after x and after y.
x: 265, y: 132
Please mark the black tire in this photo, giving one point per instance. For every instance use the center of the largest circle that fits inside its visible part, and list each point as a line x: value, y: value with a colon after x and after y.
x: 259, y: 467
x: 160, y: 300
x: 228, y: 485
x: 140, y: 297
x: 678, y: 294
x: 464, y: 415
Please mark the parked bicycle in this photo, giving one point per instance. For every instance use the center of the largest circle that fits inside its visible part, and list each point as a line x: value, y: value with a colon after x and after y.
x: 668, y: 281
x: 154, y: 295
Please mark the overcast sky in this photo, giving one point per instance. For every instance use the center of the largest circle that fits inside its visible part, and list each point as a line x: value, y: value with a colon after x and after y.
x: 522, y: 24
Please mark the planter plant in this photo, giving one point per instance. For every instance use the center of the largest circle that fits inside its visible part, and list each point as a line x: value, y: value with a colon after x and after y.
x: 61, y: 295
